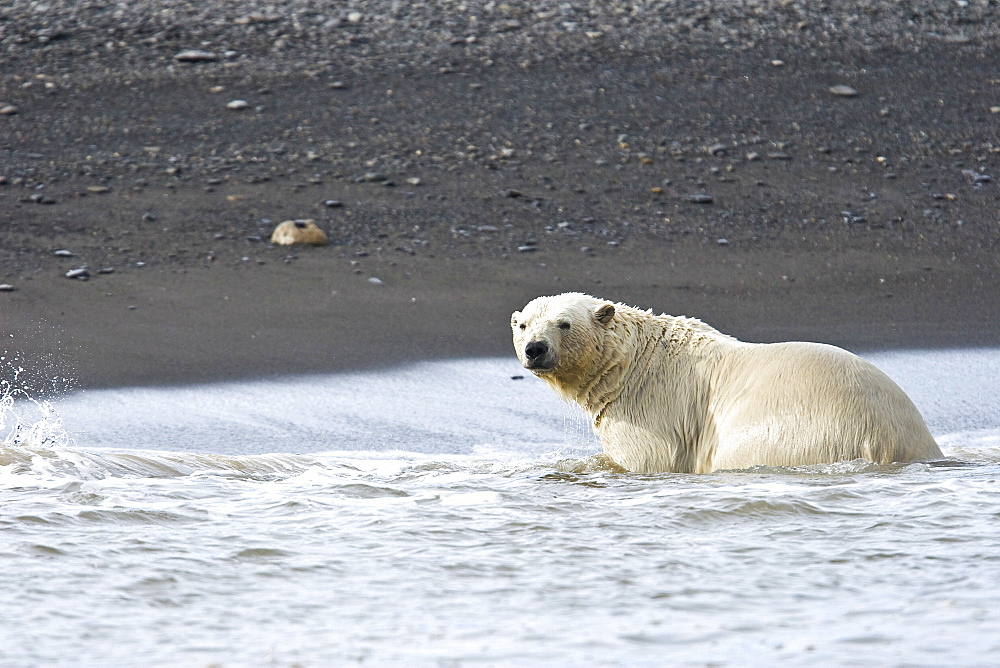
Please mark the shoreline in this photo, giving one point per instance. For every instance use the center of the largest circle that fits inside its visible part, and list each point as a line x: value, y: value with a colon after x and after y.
x: 321, y: 314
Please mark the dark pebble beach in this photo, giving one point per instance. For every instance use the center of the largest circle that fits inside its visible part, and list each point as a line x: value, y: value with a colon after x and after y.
x: 782, y: 170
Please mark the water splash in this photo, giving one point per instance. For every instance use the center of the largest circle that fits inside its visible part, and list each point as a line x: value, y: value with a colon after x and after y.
x: 25, y: 419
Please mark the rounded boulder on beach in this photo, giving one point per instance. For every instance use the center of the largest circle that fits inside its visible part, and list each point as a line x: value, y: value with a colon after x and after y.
x: 292, y: 232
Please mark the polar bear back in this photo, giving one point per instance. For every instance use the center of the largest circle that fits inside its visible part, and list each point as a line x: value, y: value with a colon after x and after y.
x: 787, y: 404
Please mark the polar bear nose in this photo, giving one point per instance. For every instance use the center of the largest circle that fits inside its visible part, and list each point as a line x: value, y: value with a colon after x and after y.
x: 536, y: 349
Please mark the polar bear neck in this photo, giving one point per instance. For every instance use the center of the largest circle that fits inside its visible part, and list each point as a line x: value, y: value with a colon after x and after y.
x: 636, y: 340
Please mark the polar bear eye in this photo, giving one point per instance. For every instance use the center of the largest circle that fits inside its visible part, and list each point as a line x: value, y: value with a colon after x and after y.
x: 523, y: 326
x: 564, y: 326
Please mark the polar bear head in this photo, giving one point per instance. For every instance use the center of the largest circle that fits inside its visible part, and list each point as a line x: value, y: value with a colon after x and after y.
x: 560, y: 338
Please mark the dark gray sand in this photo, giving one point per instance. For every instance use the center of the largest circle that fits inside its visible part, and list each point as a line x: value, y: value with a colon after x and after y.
x: 823, y: 171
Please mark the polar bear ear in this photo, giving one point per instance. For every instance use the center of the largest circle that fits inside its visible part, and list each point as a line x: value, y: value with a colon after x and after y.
x: 604, y: 313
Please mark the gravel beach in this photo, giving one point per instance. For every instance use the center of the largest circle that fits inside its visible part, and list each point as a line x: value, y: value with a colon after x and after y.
x: 782, y: 170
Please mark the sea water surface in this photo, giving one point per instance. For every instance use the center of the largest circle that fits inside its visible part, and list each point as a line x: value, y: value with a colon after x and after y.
x: 448, y: 514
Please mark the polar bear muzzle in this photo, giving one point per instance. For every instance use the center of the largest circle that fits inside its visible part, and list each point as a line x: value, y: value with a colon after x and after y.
x: 538, y: 356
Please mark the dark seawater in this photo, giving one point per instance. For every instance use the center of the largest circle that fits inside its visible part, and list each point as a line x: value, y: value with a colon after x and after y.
x: 446, y: 514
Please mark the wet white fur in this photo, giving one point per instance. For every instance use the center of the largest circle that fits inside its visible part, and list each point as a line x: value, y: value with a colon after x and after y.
x: 669, y: 393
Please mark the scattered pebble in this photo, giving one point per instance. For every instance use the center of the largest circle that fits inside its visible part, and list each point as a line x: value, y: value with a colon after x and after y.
x: 700, y: 198
x: 977, y: 177
x: 8, y: 110
x: 722, y: 242
x: 375, y: 281
x: 256, y: 17
x: 81, y: 274
x: 841, y: 90
x: 98, y: 190
x: 333, y: 203
x: 62, y: 252
x: 237, y: 104
x: 6, y: 287
x: 195, y: 56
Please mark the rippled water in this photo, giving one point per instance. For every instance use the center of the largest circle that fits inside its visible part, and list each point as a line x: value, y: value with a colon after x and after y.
x: 446, y: 514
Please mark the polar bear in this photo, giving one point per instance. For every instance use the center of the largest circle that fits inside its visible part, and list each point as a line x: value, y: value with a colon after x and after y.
x: 668, y: 393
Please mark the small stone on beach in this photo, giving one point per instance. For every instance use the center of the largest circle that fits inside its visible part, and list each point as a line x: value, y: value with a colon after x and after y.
x: 236, y: 105
x: 841, y: 90
x: 256, y: 17
x: 81, y: 274
x: 195, y: 56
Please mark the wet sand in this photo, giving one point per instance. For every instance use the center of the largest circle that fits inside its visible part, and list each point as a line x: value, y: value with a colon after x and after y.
x: 719, y: 180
